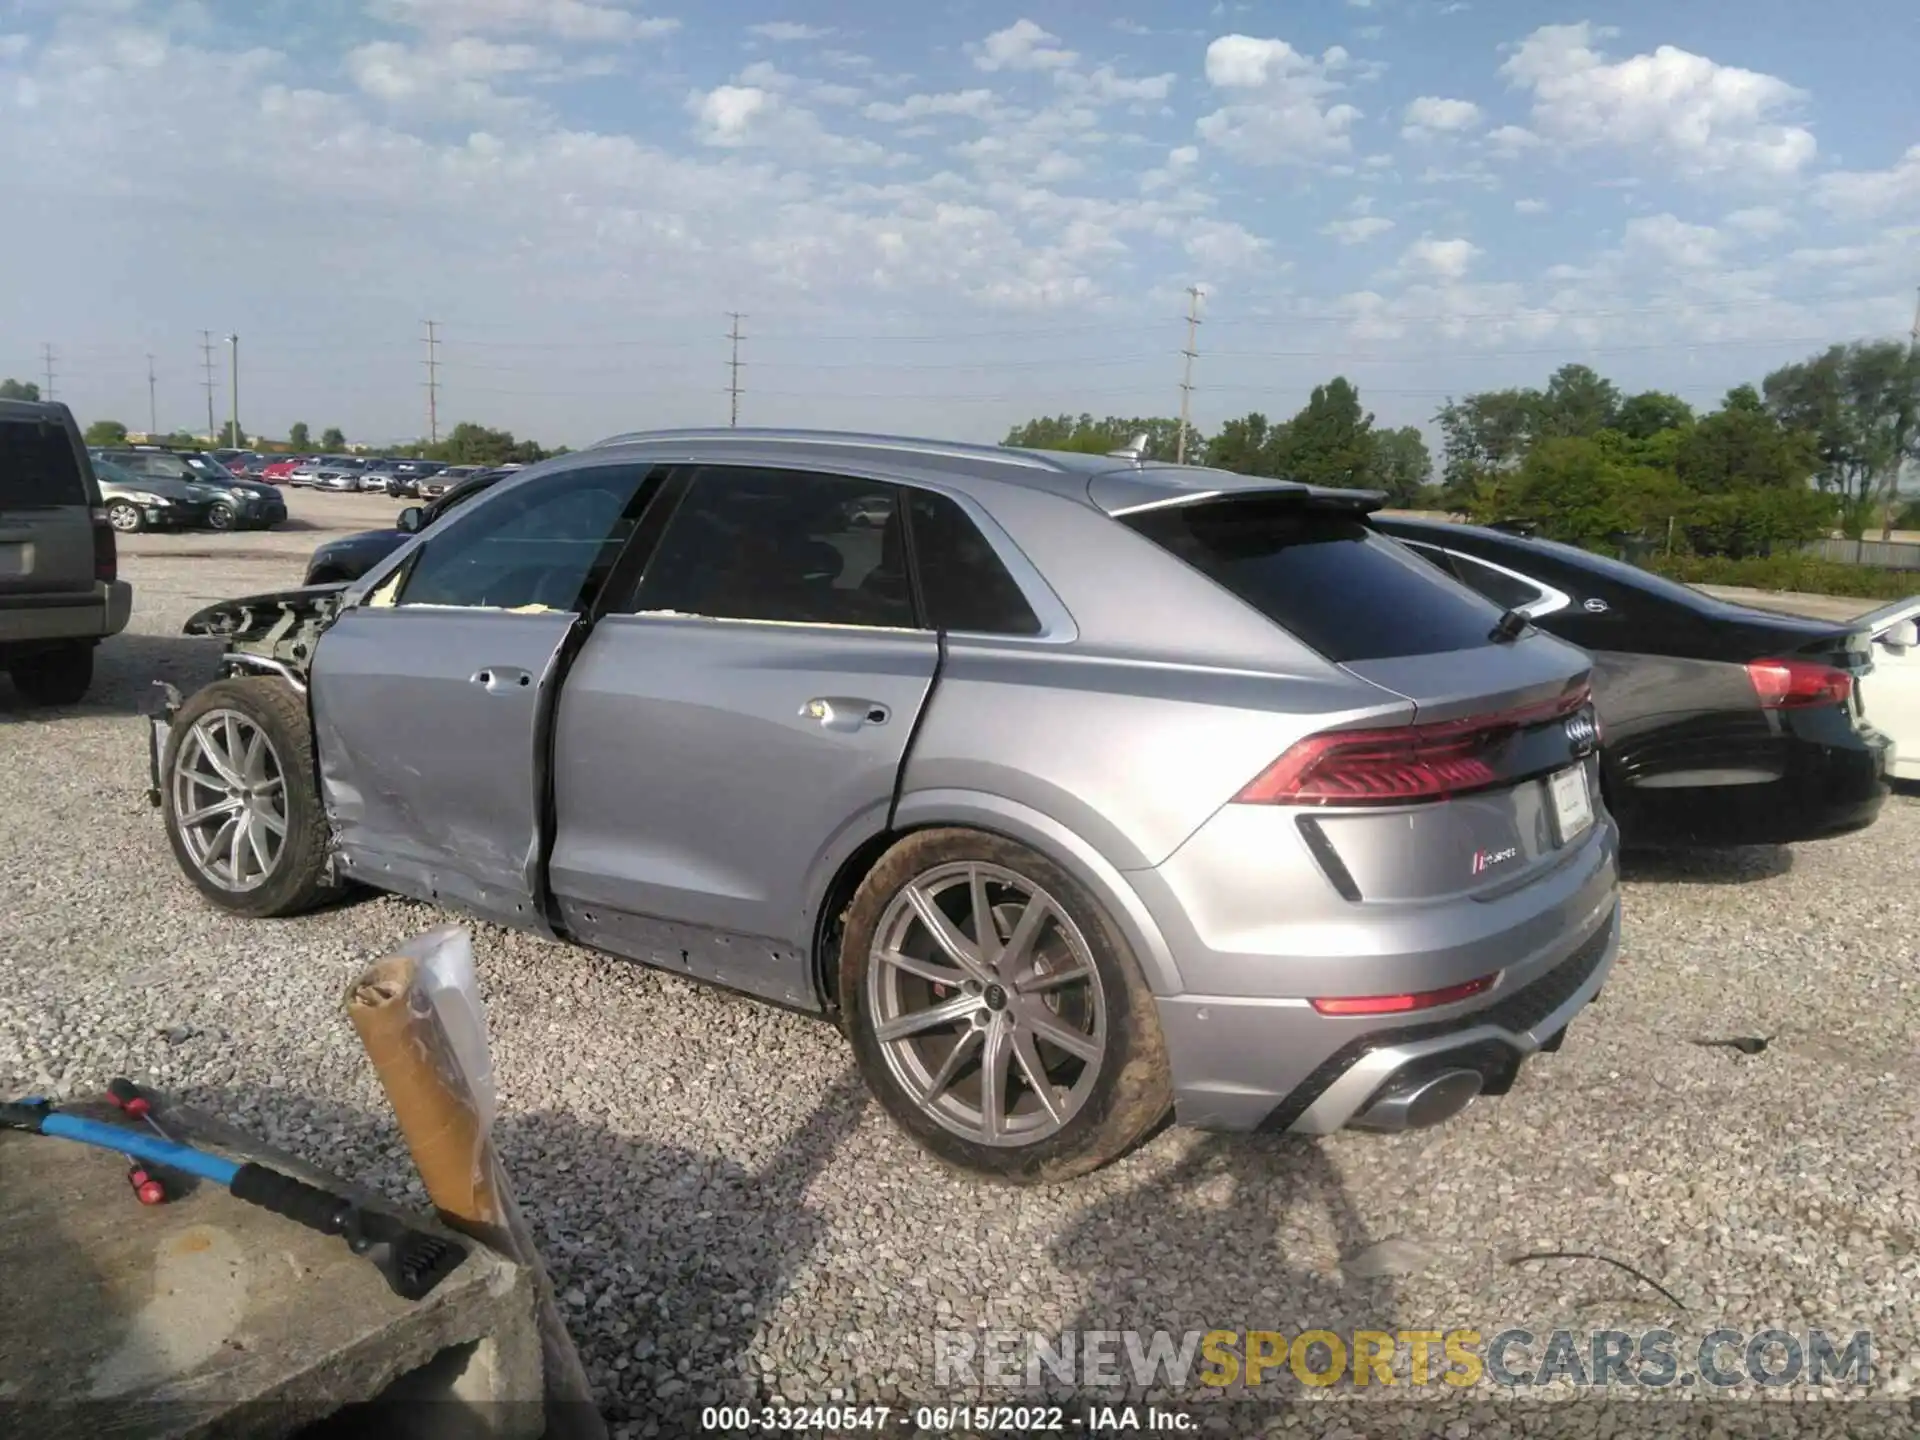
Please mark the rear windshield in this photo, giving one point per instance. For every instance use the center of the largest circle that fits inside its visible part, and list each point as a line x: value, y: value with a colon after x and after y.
x: 1329, y: 579
x: 37, y: 466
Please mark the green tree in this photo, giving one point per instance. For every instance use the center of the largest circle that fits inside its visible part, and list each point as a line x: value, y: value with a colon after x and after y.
x: 1645, y: 415
x: 470, y: 444
x: 1861, y: 402
x: 1742, y: 446
x: 1330, y: 442
x: 332, y: 440
x: 1244, y: 446
x: 1484, y: 437
x: 1086, y: 435
x: 19, y: 390
x: 1581, y: 490
x: 1401, y: 465
x: 1577, y: 402
x: 106, y: 432
x: 232, y: 434
x: 299, y: 437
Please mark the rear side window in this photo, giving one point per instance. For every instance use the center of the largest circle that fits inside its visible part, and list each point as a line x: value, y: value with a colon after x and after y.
x: 1329, y: 579
x: 37, y: 466
x: 961, y: 578
x: 1509, y: 592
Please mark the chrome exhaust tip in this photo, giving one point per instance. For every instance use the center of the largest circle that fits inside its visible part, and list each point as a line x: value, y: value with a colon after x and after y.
x: 1415, y: 1103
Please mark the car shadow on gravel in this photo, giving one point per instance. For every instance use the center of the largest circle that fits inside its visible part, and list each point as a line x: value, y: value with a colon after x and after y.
x: 1735, y: 865
x: 666, y: 1261
x: 1242, y: 1233
x: 125, y: 668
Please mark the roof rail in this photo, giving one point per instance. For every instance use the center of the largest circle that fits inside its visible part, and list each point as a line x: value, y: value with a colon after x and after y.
x: 848, y: 440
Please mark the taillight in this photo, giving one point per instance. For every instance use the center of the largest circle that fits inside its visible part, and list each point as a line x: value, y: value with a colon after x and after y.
x: 1401, y: 765
x: 106, y: 554
x: 1794, y: 684
x: 1400, y: 1004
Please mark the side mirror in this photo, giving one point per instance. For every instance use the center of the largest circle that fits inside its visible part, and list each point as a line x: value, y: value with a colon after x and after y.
x: 411, y: 519
x: 1900, y: 637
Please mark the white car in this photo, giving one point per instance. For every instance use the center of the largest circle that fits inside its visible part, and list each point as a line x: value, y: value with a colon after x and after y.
x: 1891, y: 693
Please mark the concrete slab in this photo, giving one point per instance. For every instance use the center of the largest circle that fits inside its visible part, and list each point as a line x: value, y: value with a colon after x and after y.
x: 207, y: 1316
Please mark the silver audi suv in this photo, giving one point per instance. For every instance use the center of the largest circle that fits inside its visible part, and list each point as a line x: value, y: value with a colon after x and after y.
x: 1075, y: 789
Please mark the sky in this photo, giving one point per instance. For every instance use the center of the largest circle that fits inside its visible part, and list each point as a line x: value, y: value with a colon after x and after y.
x: 936, y: 219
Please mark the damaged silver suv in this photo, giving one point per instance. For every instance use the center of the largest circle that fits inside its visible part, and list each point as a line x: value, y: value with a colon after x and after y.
x: 1073, y: 788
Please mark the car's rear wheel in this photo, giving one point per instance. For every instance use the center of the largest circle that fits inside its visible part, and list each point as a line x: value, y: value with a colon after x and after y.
x: 241, y: 802
x: 60, y: 675
x: 997, y: 1012
x: 124, y: 516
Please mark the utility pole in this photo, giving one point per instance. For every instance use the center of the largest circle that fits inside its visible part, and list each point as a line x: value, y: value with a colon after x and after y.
x: 206, y: 364
x: 153, y: 402
x: 1192, y: 353
x: 733, y: 368
x: 433, y: 384
x: 46, y: 364
x: 234, y: 437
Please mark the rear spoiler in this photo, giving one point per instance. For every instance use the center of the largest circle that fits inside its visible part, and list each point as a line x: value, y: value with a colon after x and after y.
x: 1876, y: 620
x: 1136, y: 488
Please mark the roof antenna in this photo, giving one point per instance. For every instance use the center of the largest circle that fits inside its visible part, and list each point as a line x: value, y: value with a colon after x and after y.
x: 1134, y: 450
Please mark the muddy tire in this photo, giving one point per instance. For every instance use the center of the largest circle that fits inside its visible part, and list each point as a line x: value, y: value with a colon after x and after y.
x: 241, y: 800
x: 1032, y: 1059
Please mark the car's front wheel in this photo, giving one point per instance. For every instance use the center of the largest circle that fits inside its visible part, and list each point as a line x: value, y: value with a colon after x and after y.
x: 997, y: 1012
x: 220, y: 517
x: 241, y: 801
x: 124, y: 516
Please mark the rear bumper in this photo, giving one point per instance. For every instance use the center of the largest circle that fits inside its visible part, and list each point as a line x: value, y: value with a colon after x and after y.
x: 1828, y: 784
x: 84, y: 615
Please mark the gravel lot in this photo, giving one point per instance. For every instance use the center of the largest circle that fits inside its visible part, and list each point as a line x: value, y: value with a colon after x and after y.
x: 727, y: 1217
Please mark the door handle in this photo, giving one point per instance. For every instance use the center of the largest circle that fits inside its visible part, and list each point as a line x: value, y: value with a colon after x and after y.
x: 845, y: 713
x: 498, y: 679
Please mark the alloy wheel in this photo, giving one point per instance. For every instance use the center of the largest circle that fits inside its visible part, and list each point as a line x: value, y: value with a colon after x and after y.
x: 987, y: 1003
x: 230, y: 800
x: 123, y: 518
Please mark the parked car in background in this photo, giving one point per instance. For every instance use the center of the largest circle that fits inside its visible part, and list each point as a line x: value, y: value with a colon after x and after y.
x: 1892, y: 692
x: 305, y: 471
x: 337, y: 473
x: 60, y: 588
x: 1722, y: 725
x: 441, y: 481
x: 351, y: 556
x: 411, y: 472
x: 236, y: 503
x: 136, y: 502
x: 235, y: 460
x: 1080, y: 790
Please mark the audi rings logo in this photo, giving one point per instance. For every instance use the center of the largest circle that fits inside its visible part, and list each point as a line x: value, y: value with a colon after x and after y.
x: 1582, y: 732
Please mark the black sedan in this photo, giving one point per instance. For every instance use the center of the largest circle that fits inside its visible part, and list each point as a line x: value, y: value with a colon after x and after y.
x: 1720, y: 724
x: 351, y: 556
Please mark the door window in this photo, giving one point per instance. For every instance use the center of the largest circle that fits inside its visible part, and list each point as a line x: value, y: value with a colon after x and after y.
x: 783, y: 545
x: 37, y: 466
x: 546, y: 546
x: 962, y: 581
x: 1506, y: 590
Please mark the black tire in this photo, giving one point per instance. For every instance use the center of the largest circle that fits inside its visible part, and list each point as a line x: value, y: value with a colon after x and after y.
x: 125, y: 517
x: 58, y: 676
x: 220, y: 517
x: 1132, y: 1090
x: 297, y: 881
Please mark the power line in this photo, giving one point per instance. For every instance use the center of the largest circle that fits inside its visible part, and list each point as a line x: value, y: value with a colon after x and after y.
x: 433, y: 384
x: 234, y: 435
x: 1192, y: 352
x: 733, y: 369
x: 153, y: 401
x: 46, y: 365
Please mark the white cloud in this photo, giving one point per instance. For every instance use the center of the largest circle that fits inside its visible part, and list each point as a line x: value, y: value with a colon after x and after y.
x: 563, y: 19
x: 1531, y: 207
x: 1430, y: 114
x: 758, y: 111
x: 1222, y: 245
x: 1666, y: 241
x: 13, y: 46
x: 1105, y: 86
x: 1444, y: 259
x: 728, y: 113
x: 453, y: 81
x: 975, y: 104
x: 1280, y: 111
x: 1761, y: 221
x: 1358, y: 230
x: 1699, y: 116
x: 1371, y: 32
x: 1023, y: 45
x: 1875, y: 192
x: 1509, y: 141
x: 787, y: 31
